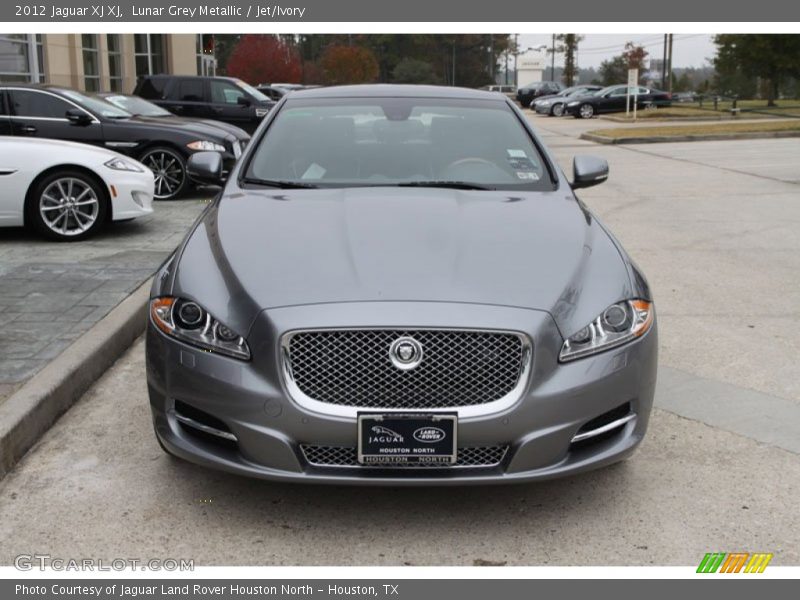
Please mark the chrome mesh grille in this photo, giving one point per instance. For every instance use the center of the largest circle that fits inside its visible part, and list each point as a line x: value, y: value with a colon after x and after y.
x: 351, y: 367
x: 343, y: 456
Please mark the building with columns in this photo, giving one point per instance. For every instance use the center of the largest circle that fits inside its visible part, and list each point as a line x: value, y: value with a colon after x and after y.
x: 107, y: 61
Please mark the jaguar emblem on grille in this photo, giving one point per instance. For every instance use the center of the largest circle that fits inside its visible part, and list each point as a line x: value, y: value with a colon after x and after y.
x: 405, y: 353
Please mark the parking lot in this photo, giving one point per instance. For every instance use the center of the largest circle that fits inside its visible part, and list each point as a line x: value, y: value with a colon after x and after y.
x: 713, y: 224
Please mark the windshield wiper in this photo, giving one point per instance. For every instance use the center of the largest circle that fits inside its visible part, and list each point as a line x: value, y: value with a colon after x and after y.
x: 456, y: 185
x: 285, y: 185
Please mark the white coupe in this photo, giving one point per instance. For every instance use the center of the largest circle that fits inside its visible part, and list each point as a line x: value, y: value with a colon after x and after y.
x: 68, y: 191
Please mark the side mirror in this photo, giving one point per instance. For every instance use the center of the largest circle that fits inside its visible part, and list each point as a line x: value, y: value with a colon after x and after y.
x: 243, y: 101
x: 78, y: 117
x: 588, y: 171
x: 205, y: 167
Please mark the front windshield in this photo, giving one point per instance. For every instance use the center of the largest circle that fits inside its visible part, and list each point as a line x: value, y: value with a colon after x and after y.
x: 252, y: 91
x: 137, y: 106
x: 97, y: 106
x: 398, y: 141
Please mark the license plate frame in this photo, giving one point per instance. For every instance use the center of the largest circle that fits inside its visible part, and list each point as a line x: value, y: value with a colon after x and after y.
x: 413, y: 439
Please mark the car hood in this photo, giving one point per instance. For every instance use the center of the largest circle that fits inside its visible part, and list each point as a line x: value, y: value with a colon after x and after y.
x: 255, y: 250
x: 205, y: 129
x: 549, y: 97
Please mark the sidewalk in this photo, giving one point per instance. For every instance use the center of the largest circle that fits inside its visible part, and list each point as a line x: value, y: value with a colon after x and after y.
x: 51, y: 293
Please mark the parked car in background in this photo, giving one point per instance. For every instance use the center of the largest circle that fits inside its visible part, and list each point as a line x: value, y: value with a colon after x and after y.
x: 66, y: 114
x: 614, y: 98
x: 685, y: 97
x: 554, y: 104
x: 398, y: 286
x: 220, y: 98
x: 68, y: 191
x: 528, y: 93
x: 272, y: 92
x: 503, y: 89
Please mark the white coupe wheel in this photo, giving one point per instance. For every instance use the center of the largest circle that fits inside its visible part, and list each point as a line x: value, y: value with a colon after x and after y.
x: 67, y: 206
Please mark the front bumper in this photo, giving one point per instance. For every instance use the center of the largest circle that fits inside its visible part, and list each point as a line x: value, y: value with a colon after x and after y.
x: 250, y: 400
x: 131, y: 194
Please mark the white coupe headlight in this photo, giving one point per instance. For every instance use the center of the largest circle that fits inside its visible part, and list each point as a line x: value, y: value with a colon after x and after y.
x: 121, y: 164
x: 191, y: 323
x: 618, y: 324
x: 206, y: 146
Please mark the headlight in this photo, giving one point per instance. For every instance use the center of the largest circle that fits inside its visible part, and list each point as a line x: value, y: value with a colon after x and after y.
x: 616, y: 325
x: 262, y: 112
x: 206, y: 146
x: 120, y: 164
x: 191, y: 323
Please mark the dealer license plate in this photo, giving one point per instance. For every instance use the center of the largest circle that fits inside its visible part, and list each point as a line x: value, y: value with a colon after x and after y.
x: 407, y: 438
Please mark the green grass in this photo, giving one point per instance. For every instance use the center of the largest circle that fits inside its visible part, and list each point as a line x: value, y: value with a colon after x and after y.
x: 728, y: 127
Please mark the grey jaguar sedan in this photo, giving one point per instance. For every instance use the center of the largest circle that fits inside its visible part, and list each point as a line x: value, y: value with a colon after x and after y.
x: 397, y: 285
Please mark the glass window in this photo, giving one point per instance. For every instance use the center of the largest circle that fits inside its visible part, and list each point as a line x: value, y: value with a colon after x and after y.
x: 21, y: 58
x: 223, y: 92
x: 149, y: 53
x: 394, y: 141
x: 91, y: 62
x: 114, y: 61
x: 137, y: 106
x: 30, y: 103
x: 96, y: 105
x: 190, y: 90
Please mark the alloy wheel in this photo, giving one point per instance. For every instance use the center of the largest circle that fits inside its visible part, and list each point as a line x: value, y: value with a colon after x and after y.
x: 587, y: 111
x: 169, y: 172
x: 558, y: 110
x: 69, y: 206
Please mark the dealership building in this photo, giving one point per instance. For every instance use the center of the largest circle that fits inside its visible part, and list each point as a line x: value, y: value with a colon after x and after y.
x: 108, y: 61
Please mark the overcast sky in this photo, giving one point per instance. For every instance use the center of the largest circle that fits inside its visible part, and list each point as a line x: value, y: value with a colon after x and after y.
x: 688, y: 50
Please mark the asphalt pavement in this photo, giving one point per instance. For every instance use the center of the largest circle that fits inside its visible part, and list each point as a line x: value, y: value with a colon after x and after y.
x: 713, y: 227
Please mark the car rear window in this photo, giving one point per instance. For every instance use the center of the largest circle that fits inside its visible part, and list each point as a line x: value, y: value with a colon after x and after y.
x: 384, y: 141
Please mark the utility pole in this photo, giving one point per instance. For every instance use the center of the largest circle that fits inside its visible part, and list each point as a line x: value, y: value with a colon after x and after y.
x: 669, y: 66
x: 491, y: 58
x: 553, y: 59
x: 516, y: 52
x: 664, y: 65
x: 454, y: 61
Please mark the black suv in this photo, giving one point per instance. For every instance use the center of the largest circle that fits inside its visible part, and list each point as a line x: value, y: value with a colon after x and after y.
x: 61, y: 113
x: 220, y: 98
x: 528, y: 93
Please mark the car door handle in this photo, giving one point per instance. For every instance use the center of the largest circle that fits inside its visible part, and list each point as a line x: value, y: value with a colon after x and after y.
x: 28, y: 129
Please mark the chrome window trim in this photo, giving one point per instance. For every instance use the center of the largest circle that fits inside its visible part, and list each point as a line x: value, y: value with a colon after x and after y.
x: 38, y: 91
x: 351, y: 412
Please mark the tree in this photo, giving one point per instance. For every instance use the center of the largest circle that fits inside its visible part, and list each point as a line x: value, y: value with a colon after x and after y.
x: 634, y: 57
x: 770, y: 57
x: 411, y: 70
x: 614, y: 71
x: 349, y: 64
x: 264, y: 59
x: 569, y: 47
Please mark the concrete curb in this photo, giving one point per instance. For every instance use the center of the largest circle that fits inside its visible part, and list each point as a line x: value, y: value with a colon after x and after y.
x: 700, y: 137
x: 33, y: 408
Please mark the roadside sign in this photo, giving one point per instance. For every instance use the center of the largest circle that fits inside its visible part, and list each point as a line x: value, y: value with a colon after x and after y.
x: 633, y: 87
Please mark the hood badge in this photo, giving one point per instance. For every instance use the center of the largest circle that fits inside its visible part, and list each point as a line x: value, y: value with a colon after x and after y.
x: 405, y: 353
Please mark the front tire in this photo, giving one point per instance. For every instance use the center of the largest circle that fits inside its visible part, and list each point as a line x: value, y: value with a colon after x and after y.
x: 557, y: 110
x: 169, y: 170
x: 67, y: 206
x: 585, y: 111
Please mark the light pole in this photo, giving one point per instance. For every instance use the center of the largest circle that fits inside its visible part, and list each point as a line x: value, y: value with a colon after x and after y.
x: 553, y: 59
